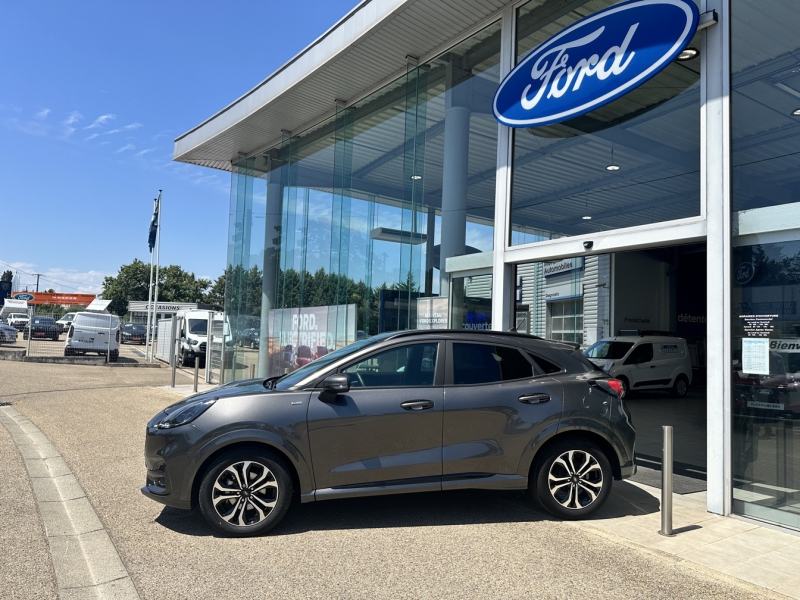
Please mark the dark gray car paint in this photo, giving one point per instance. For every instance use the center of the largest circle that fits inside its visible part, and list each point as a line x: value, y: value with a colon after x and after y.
x: 364, y: 443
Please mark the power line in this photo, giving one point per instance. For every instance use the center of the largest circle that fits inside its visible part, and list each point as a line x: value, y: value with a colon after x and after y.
x: 37, y: 275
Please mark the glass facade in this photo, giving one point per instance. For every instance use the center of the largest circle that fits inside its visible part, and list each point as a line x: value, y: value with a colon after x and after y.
x: 766, y: 260
x: 632, y: 162
x: 343, y: 231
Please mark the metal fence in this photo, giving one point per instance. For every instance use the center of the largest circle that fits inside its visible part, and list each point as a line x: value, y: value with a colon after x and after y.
x: 44, y: 334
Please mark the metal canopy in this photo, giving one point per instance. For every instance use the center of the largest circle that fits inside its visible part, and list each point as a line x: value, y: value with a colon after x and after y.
x: 367, y: 46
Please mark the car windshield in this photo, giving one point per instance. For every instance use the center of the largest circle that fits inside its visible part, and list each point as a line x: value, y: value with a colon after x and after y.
x: 198, y: 326
x: 322, y: 363
x: 608, y: 349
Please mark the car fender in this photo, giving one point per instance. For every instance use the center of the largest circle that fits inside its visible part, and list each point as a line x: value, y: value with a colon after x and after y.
x: 255, y: 436
x: 577, y: 424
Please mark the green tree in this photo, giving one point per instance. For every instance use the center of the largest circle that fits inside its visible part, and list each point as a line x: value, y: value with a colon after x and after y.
x: 215, y: 296
x: 7, y: 276
x: 133, y: 280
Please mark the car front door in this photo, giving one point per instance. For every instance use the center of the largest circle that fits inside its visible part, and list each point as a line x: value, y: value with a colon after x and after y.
x: 640, y: 366
x: 496, y: 399
x: 387, y: 430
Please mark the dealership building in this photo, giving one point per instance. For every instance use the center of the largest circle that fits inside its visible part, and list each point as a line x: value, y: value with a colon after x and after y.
x: 383, y: 180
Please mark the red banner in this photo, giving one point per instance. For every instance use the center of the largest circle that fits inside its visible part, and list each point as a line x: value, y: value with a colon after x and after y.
x: 63, y: 299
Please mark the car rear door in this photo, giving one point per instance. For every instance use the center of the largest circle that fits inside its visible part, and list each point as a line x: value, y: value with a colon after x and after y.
x: 496, y: 399
x: 387, y: 430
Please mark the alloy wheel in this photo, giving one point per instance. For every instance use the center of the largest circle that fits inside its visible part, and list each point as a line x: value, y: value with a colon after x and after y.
x: 245, y: 493
x: 575, y: 479
x: 680, y: 387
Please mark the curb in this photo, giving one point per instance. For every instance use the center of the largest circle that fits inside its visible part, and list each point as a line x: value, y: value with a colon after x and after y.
x: 85, y: 561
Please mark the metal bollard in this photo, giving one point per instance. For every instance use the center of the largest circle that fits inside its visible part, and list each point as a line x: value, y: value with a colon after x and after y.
x: 666, y: 483
x: 252, y: 371
x: 196, y: 371
x: 174, y: 368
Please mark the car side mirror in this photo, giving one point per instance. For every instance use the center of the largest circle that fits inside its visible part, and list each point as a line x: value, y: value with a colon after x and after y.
x: 336, y: 384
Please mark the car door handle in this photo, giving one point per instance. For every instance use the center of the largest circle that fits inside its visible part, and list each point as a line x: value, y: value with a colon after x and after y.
x: 534, y: 398
x: 652, y: 366
x: 417, y: 404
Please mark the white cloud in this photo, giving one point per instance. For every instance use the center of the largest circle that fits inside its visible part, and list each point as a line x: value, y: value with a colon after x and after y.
x: 126, y: 128
x: 143, y: 152
x: 73, y: 118
x: 68, y: 280
x: 101, y: 120
x: 42, y: 114
x: 36, y: 128
x: 125, y: 148
x: 91, y: 137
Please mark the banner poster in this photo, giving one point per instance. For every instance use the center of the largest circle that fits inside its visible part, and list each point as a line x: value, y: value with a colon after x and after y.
x: 432, y: 313
x: 301, y: 335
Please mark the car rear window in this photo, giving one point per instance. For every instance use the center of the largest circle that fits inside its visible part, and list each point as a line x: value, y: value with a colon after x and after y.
x: 483, y: 363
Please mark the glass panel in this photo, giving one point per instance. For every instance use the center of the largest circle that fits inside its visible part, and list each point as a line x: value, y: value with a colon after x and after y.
x: 472, y: 302
x: 631, y: 162
x: 765, y: 329
x: 413, y: 366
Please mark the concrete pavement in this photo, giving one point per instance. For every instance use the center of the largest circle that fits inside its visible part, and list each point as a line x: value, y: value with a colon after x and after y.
x: 447, y: 545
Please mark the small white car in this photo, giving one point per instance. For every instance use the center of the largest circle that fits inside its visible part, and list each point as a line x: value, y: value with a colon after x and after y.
x: 18, y: 320
x: 64, y: 322
x: 645, y: 362
x: 94, y: 332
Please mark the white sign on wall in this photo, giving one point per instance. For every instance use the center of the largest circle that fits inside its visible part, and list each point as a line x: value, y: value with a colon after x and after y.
x: 755, y: 356
x: 563, y: 291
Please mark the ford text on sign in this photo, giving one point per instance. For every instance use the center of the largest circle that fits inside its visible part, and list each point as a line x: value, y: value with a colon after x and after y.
x: 595, y: 61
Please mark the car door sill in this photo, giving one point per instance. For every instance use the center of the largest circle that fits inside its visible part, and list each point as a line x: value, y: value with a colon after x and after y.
x: 491, y: 482
x: 378, y: 490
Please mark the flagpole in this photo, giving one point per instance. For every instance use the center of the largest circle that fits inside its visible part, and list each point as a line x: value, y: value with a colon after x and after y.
x: 158, y: 258
x: 149, y: 337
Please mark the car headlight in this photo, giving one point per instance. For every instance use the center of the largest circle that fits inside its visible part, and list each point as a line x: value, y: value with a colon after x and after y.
x: 193, y: 342
x: 185, y: 415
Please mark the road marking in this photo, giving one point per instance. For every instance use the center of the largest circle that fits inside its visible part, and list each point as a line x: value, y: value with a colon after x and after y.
x: 85, y: 560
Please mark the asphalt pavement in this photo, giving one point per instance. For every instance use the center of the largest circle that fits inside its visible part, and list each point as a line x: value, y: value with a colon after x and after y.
x: 446, y: 545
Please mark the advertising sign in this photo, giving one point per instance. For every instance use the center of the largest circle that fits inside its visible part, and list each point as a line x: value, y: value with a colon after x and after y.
x: 58, y: 299
x: 595, y: 61
x: 566, y: 265
x: 432, y: 313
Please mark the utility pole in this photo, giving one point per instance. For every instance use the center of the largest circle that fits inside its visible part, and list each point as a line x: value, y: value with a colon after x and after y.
x: 37, y: 282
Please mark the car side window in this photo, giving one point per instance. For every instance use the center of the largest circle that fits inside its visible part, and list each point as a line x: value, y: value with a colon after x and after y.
x: 643, y: 353
x: 542, y: 366
x: 408, y: 366
x: 483, y: 363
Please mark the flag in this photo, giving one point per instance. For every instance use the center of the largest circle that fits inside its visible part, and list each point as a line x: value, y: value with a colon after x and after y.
x: 151, y: 239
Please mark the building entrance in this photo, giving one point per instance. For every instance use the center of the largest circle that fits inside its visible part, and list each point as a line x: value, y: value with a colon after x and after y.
x: 641, y: 316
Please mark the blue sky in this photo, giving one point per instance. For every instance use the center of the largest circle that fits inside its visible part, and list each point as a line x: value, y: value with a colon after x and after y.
x: 92, y: 95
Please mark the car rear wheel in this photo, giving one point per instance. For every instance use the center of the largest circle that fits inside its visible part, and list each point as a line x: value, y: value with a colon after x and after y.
x: 245, y: 493
x: 681, y: 386
x: 573, y: 479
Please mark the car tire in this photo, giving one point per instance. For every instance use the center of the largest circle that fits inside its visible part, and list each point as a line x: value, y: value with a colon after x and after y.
x: 182, y: 358
x: 248, y: 510
x: 573, y: 479
x: 68, y: 352
x: 113, y: 356
x: 252, y: 345
x: 681, y: 386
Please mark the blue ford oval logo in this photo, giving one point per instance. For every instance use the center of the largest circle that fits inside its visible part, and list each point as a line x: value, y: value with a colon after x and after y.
x: 28, y: 297
x: 595, y: 61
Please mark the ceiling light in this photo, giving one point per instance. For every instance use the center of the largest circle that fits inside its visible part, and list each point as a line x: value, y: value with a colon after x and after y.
x: 415, y: 177
x: 612, y: 166
x: 796, y: 112
x: 586, y: 217
x: 688, y: 54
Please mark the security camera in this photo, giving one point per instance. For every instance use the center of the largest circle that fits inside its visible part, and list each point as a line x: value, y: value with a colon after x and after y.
x: 588, y: 245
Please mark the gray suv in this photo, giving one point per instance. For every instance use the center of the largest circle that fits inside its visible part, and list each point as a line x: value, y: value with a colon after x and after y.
x: 396, y: 413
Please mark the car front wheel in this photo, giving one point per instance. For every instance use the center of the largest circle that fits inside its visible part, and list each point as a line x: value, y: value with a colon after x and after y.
x: 245, y: 493
x: 573, y: 479
x: 681, y: 386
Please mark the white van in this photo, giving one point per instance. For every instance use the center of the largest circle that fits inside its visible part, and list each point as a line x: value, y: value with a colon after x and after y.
x: 194, y: 336
x: 93, y: 332
x: 645, y: 362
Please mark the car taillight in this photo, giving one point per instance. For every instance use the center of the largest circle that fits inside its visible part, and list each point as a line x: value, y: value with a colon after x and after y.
x: 117, y: 336
x: 71, y: 331
x: 616, y: 385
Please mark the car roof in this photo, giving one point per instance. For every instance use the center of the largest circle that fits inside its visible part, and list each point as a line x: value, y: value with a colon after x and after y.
x: 480, y: 335
x: 644, y: 338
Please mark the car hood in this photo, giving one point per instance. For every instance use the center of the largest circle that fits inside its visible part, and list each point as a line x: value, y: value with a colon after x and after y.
x: 246, y: 387
x: 4, y: 327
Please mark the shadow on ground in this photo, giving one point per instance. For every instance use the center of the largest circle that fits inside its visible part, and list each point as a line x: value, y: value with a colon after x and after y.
x: 468, y: 507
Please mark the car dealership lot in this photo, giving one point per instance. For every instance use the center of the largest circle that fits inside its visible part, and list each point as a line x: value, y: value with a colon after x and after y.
x: 455, y: 544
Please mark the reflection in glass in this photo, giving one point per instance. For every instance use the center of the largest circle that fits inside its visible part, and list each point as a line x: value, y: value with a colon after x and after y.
x: 631, y: 162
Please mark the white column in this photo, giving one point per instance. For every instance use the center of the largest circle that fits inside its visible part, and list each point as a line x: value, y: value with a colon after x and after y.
x: 272, y: 245
x: 454, y: 171
x: 715, y: 152
x: 502, y: 273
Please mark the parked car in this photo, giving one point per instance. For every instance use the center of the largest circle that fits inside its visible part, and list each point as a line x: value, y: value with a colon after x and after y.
x: 94, y: 332
x: 370, y: 418
x: 41, y: 327
x: 64, y: 322
x: 249, y: 338
x: 133, y: 333
x: 18, y: 320
x: 194, y: 336
x: 304, y: 356
x: 8, y: 334
x: 645, y: 362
